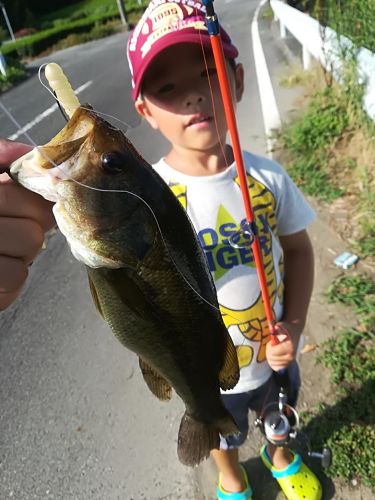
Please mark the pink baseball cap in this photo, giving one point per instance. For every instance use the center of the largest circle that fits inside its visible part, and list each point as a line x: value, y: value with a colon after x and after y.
x: 165, y: 23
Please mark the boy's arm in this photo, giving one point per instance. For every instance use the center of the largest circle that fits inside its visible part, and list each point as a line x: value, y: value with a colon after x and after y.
x: 298, y: 281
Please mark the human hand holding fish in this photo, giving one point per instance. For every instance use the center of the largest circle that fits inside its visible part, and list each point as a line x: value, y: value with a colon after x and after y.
x: 147, y: 271
x: 24, y: 218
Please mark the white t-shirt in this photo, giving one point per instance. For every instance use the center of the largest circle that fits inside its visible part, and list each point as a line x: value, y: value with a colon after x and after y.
x: 215, y: 207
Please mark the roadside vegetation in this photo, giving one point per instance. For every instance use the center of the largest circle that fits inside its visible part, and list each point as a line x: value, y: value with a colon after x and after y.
x: 347, y: 425
x: 352, y: 18
x: 73, y: 24
x: 331, y: 145
x: 329, y: 150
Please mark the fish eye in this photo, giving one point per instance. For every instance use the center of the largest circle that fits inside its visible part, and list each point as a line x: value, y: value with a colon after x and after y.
x: 112, y: 162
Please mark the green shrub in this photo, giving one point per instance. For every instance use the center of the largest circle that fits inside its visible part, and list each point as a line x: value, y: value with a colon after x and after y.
x: 34, y: 44
x: 352, y: 18
x: 14, y: 75
x: 98, y: 31
x: 103, y: 30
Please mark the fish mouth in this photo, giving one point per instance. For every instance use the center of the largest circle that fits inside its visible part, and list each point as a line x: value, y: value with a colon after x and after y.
x: 43, y: 168
x: 31, y: 174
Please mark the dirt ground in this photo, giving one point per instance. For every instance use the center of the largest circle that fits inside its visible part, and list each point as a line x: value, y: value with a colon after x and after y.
x: 323, y: 322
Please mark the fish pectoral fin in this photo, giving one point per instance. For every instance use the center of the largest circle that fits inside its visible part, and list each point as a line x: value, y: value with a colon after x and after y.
x: 95, y: 297
x: 230, y: 371
x: 155, y: 382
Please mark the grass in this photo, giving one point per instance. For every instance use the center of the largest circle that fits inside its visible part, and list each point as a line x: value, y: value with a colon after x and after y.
x: 354, y: 290
x: 307, y: 141
x: 366, y: 243
x: 329, y: 150
x: 347, y: 426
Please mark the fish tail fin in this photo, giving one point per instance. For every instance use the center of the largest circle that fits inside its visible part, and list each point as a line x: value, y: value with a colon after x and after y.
x: 197, y: 438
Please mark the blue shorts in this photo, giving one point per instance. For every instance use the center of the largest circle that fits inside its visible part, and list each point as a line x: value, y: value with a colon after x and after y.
x: 240, y: 404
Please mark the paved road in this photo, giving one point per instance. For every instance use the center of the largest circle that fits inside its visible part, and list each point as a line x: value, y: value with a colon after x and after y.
x: 77, y: 421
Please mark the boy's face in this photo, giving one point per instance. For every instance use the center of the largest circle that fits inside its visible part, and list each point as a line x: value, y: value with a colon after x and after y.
x: 180, y: 100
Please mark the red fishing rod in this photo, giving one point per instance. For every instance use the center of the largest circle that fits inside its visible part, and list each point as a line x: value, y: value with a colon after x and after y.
x: 279, y: 421
x: 251, y: 228
x: 281, y: 376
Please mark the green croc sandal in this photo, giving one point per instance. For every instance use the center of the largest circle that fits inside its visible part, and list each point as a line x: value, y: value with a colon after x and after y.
x: 246, y: 494
x: 297, y: 481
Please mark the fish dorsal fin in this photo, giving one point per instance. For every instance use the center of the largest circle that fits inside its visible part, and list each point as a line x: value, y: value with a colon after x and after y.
x: 155, y: 382
x: 95, y: 297
x: 230, y: 371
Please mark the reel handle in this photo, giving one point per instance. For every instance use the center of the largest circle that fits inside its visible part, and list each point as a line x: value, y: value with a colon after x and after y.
x: 325, y: 456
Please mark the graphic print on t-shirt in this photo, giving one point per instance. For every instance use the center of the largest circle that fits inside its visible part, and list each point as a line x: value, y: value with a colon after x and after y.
x: 223, y: 257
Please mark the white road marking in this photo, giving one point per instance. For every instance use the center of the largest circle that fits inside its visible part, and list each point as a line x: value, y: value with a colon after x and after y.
x: 270, y: 111
x: 45, y: 113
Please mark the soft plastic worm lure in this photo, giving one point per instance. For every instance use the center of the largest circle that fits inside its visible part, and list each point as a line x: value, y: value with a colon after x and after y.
x: 61, y: 86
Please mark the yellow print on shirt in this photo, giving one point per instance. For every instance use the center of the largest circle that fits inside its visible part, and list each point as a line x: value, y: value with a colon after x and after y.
x: 252, y: 321
x: 179, y: 190
x: 222, y: 257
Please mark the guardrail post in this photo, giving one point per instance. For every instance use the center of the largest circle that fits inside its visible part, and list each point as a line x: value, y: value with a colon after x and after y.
x: 3, y: 65
x: 306, y: 58
x: 282, y: 30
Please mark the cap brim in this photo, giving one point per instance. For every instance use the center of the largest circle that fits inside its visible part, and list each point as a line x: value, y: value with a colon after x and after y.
x: 169, y: 40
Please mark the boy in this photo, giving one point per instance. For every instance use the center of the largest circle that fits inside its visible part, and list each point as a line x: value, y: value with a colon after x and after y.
x: 175, y: 88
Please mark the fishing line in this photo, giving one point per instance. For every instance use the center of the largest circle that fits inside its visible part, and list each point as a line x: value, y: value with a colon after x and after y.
x: 212, y: 96
x: 65, y: 116
x: 68, y: 177
x: 125, y: 191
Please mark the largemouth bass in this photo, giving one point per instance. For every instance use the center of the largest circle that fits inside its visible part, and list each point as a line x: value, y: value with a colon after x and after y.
x: 147, y: 272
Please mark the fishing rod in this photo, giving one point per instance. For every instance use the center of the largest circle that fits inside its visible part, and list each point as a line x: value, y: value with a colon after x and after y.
x: 250, y: 226
x: 250, y: 229
x: 278, y: 421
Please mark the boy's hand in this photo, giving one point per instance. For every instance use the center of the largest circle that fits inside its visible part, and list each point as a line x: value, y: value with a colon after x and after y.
x: 280, y: 355
x: 24, y: 218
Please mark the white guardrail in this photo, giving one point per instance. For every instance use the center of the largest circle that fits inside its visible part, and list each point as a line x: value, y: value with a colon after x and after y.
x: 308, y: 32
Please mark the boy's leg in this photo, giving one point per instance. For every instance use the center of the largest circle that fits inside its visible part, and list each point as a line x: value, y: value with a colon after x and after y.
x: 294, y: 477
x: 231, y: 474
x: 232, y: 478
x: 280, y: 456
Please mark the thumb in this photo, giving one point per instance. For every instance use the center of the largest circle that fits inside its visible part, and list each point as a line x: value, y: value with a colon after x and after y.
x: 10, y: 151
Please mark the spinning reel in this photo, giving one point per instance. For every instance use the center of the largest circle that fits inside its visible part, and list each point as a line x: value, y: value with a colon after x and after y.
x: 279, y: 422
